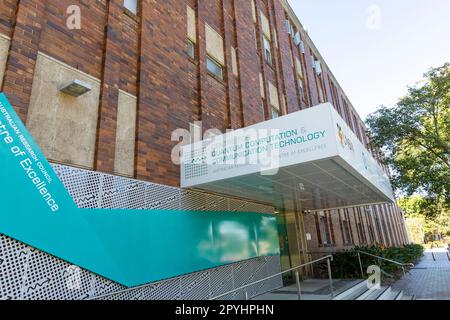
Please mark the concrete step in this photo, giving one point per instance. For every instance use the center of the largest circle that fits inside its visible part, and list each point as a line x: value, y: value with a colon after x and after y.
x: 354, y: 292
x: 373, y: 294
x: 400, y: 296
x: 390, y: 294
x: 360, y: 291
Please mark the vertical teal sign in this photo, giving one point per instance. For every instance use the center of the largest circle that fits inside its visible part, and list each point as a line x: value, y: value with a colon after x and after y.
x: 131, y: 247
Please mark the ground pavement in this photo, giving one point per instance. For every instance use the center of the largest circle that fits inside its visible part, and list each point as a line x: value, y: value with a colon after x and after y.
x: 430, y: 279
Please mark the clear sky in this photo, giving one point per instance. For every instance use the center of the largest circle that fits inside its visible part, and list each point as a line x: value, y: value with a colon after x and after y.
x: 377, y: 48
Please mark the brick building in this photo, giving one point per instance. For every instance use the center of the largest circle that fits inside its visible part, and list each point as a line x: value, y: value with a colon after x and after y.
x: 157, y: 66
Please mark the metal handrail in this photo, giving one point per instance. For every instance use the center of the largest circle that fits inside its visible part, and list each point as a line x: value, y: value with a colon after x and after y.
x: 402, y: 265
x: 329, y: 259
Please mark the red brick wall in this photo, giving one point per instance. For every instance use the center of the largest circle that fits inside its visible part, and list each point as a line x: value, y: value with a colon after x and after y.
x: 145, y: 55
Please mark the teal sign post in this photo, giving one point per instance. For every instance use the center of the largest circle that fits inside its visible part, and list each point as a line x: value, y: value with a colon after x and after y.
x: 131, y: 247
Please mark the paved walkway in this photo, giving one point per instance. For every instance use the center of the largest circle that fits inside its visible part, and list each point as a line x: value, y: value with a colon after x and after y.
x: 429, y: 280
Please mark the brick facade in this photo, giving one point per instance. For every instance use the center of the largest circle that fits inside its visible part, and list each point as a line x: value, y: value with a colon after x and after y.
x: 145, y: 55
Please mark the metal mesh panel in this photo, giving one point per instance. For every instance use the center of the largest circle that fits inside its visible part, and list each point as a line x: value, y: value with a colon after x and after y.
x: 199, y: 169
x: 27, y: 273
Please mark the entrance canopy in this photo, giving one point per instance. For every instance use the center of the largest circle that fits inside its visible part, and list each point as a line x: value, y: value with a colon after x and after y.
x: 310, y: 157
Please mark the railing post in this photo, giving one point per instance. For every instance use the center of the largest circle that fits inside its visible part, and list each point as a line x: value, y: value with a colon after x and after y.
x: 360, y: 265
x: 330, y: 276
x: 246, y: 294
x: 448, y: 256
x: 404, y: 273
x: 434, y: 258
x: 299, y: 288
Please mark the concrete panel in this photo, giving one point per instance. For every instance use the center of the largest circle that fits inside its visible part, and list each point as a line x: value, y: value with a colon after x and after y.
x: 4, y: 48
x: 125, y: 134
x: 191, y: 24
x: 265, y: 26
x: 273, y: 92
x: 261, y: 86
x: 254, y: 11
x: 234, y: 63
x: 65, y: 127
x: 214, y: 44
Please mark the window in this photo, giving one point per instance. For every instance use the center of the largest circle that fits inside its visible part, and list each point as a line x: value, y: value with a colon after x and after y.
x: 297, y: 39
x: 360, y: 226
x: 131, y: 5
x: 215, y: 52
x: 288, y: 27
x: 191, y: 49
x: 320, y: 89
x: 275, y: 113
x: 346, y: 227
x: 368, y: 213
x: 324, y: 227
x: 323, y: 230
x: 267, y: 50
x: 300, y: 87
x: 214, y: 68
x: 274, y: 100
x: 191, y: 32
x: 318, y: 67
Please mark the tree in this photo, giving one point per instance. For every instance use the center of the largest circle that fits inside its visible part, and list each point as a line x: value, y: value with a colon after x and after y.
x: 420, y: 222
x: 415, y: 138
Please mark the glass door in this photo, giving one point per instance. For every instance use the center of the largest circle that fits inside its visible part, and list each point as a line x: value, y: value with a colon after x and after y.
x: 285, y: 254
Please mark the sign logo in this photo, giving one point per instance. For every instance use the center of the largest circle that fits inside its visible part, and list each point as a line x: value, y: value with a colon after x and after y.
x: 345, y: 141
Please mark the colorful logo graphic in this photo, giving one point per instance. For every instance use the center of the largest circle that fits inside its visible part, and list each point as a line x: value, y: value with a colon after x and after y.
x: 345, y: 141
x: 131, y: 247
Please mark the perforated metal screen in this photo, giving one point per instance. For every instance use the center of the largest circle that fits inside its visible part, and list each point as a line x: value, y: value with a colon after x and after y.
x: 27, y: 273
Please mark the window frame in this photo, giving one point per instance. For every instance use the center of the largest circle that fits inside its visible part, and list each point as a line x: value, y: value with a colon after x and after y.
x: 275, y: 112
x: 135, y: 9
x: 217, y: 64
x: 346, y: 228
x: 301, y: 87
x: 325, y: 229
x: 190, y: 45
x: 267, y: 47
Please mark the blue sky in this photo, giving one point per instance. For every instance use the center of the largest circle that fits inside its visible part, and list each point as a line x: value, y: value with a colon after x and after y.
x: 377, y: 48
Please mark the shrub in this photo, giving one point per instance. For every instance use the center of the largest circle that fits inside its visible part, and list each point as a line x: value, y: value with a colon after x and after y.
x: 346, y: 264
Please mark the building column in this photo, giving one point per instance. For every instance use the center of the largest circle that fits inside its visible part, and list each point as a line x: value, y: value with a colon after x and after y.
x: 234, y: 111
x: 21, y: 62
x: 109, y: 97
x: 248, y: 64
x: 286, y: 68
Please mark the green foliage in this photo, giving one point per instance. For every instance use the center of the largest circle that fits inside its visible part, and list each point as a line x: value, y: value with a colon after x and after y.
x: 414, y: 135
x: 424, y: 219
x: 436, y: 245
x: 416, y: 229
x: 346, y: 265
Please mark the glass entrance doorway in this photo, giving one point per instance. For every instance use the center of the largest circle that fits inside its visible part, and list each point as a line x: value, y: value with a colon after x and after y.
x: 293, y: 246
x: 285, y: 254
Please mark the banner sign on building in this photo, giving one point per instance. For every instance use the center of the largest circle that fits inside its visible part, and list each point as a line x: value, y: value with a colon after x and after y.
x: 311, y: 153
x: 131, y: 247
